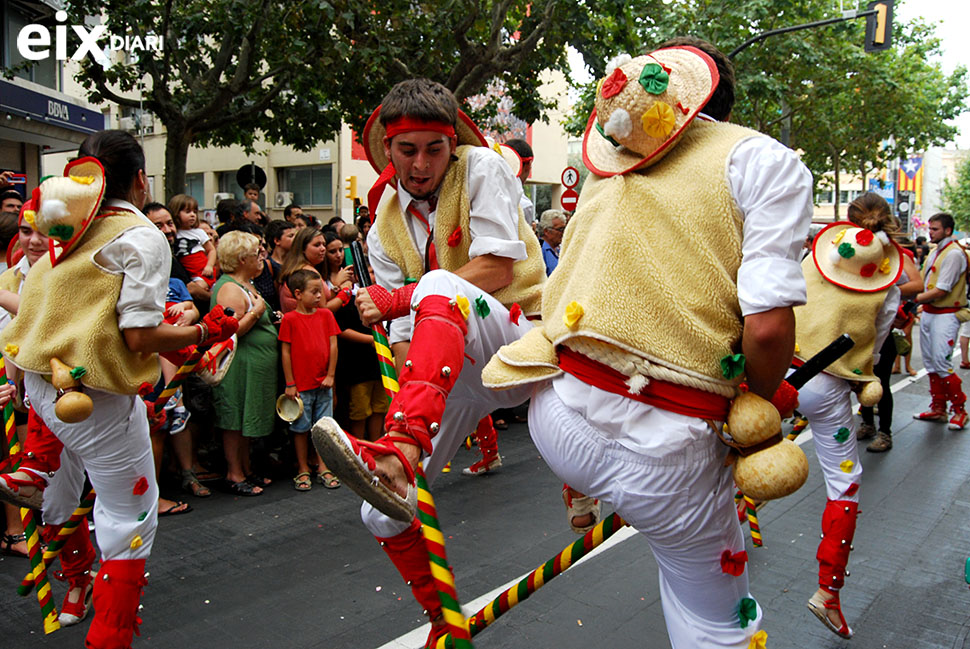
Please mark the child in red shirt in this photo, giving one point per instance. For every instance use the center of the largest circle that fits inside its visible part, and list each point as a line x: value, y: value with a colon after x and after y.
x: 309, y: 337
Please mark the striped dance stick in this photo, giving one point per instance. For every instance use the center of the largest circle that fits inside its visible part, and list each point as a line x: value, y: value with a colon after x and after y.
x: 9, y: 428
x: 752, y: 513
x: 39, y: 572
x: 63, y: 534
x: 427, y: 512
x: 538, y: 577
x: 188, y: 367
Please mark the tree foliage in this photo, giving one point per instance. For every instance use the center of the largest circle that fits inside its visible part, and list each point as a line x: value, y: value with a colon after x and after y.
x: 291, y: 72
x: 956, y: 196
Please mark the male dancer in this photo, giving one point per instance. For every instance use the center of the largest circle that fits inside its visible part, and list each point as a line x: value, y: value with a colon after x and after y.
x: 944, y: 275
x: 454, y: 225
x: 638, y: 355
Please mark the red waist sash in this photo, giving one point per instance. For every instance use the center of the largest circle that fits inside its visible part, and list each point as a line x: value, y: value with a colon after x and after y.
x: 668, y: 396
x: 929, y: 308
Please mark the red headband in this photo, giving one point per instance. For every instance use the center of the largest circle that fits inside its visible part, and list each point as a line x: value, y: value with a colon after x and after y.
x: 410, y: 124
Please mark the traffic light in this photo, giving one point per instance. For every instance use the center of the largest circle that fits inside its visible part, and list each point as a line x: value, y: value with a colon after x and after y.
x: 351, y: 187
x: 879, y: 27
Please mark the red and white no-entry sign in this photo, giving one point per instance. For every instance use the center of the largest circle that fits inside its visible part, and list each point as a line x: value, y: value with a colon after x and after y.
x: 569, y: 199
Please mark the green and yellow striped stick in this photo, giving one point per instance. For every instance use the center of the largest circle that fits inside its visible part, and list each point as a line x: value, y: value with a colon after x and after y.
x: 9, y: 428
x: 39, y: 572
x: 537, y: 578
x: 63, y: 534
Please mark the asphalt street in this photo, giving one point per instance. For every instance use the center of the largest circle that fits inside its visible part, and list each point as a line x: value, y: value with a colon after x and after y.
x: 298, y: 570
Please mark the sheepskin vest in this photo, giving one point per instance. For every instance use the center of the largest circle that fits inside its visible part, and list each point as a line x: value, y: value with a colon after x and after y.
x: 68, y: 312
x: 957, y: 297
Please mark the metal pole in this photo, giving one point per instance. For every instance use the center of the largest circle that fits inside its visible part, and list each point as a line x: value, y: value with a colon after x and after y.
x: 847, y: 15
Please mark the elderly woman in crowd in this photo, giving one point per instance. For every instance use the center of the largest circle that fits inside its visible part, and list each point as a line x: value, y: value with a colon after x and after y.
x: 244, y: 399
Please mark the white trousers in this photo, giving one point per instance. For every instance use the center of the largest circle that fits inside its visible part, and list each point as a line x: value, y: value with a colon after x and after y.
x: 679, y: 496
x: 937, y: 339
x: 469, y: 401
x: 825, y: 400
x: 113, y: 446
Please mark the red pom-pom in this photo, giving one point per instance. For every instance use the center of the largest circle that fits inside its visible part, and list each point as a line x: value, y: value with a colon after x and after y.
x: 613, y: 84
x: 785, y: 398
x: 854, y: 487
x: 145, y: 389
x: 864, y: 238
x: 869, y: 269
x: 454, y: 238
x: 141, y: 486
x: 950, y: 342
x: 733, y: 564
x: 515, y: 313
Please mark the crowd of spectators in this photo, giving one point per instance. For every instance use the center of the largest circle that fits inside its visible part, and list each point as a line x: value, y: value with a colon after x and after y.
x: 229, y: 436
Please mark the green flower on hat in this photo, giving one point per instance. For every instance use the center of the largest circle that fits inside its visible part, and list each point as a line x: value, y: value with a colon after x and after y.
x: 842, y: 435
x: 846, y: 250
x: 732, y: 365
x: 61, y: 232
x: 599, y: 129
x: 653, y: 78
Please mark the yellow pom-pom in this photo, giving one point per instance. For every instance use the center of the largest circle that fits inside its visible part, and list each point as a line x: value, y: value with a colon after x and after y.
x: 884, y: 266
x: 846, y: 465
x: 659, y: 120
x: 759, y: 640
x: 930, y: 287
x: 463, y: 305
x: 797, y: 348
x: 574, y: 311
x: 83, y: 180
x: 29, y: 216
x: 839, y: 236
x: 136, y: 543
x: 11, y: 350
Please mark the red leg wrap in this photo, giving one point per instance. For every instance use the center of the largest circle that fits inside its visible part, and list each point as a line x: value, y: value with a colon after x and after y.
x: 78, y: 554
x: 954, y: 392
x: 838, y: 528
x: 117, y: 592
x: 435, y: 359
x: 410, y: 556
x: 43, y: 449
x: 487, y: 439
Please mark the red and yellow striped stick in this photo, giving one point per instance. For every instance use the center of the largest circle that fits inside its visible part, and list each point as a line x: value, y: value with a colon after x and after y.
x: 752, y: 512
x: 444, y: 580
x: 54, y: 549
x: 39, y: 572
x: 187, y: 368
x: 9, y: 428
x: 538, y: 577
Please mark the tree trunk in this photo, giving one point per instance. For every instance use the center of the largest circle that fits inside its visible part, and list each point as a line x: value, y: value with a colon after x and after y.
x: 837, y: 158
x: 177, y: 141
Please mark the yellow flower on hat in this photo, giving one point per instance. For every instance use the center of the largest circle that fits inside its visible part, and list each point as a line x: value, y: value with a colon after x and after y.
x: 11, y: 349
x: 884, y: 266
x: 29, y: 216
x: 797, y: 349
x: 846, y: 465
x: 83, y: 180
x: 838, y: 237
x: 136, y: 543
x: 659, y: 120
x: 574, y: 311
x: 463, y: 305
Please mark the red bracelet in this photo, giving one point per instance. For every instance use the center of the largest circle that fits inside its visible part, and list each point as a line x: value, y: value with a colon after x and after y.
x: 344, y: 296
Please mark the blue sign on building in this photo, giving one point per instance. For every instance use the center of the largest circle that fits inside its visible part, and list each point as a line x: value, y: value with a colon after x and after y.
x: 885, y: 188
x: 45, y: 109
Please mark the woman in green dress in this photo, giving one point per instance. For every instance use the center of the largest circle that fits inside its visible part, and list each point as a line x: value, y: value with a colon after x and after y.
x: 244, y: 400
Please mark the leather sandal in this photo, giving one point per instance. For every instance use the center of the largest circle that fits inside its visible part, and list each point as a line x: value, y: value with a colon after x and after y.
x: 820, y: 607
x: 353, y: 461
x: 191, y: 484
x: 10, y: 540
x: 11, y: 490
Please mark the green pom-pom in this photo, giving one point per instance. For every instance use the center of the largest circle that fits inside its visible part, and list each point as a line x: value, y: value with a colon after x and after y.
x: 410, y: 280
x: 846, y: 250
x: 842, y: 435
x: 481, y: 306
x: 61, y: 232
x: 142, y: 516
x: 732, y: 366
x: 654, y: 79
x: 747, y: 611
x: 78, y: 372
x: 857, y: 371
